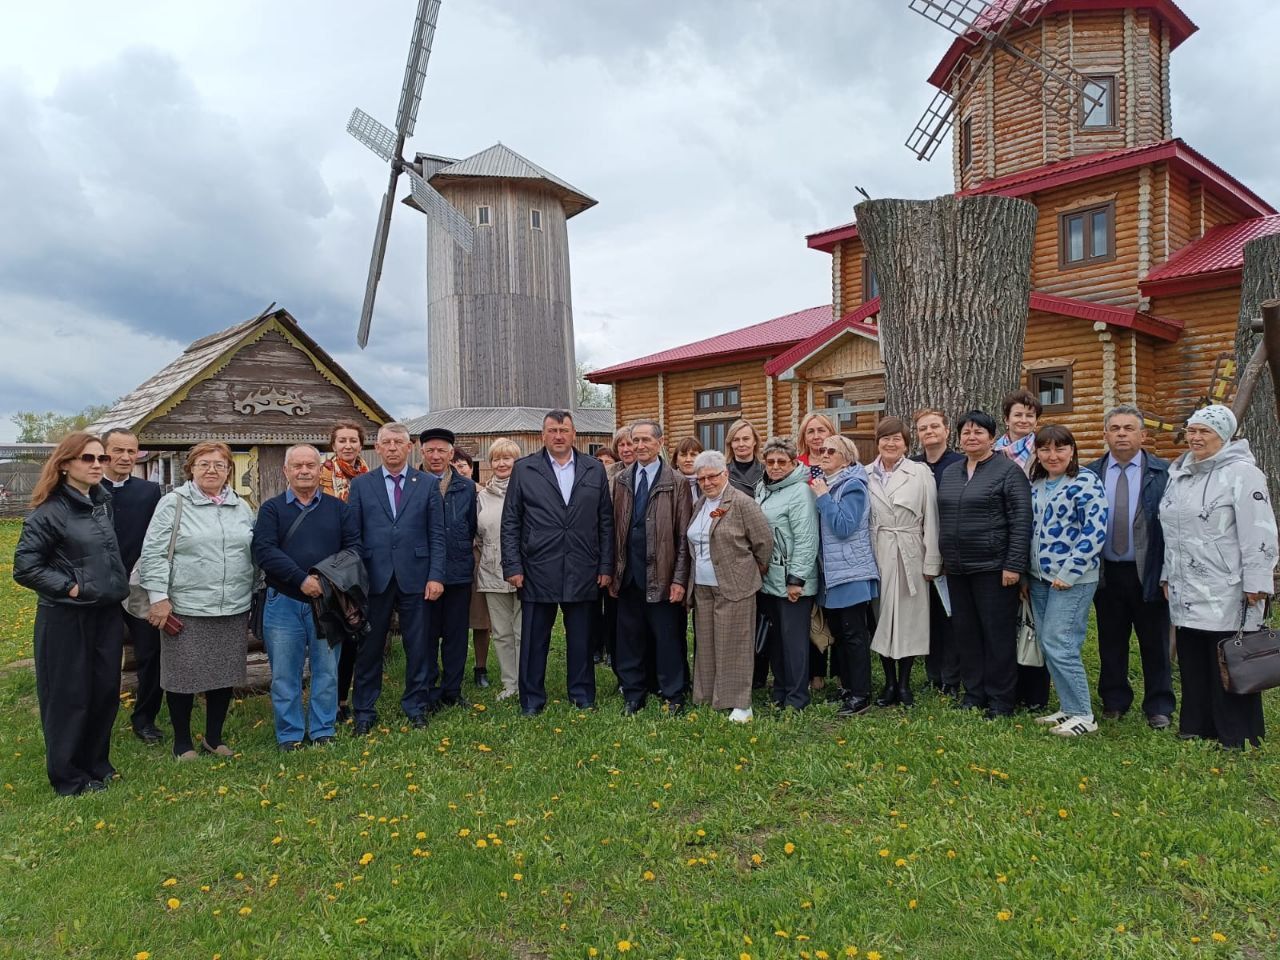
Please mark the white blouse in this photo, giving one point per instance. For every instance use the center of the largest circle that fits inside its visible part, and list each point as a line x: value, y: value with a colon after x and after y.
x: 704, y: 574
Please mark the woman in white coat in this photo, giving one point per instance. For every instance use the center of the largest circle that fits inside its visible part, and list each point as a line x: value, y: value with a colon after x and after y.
x: 500, y: 597
x: 904, y: 529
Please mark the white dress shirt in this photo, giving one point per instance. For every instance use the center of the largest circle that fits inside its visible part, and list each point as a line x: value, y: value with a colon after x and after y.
x: 564, y: 475
x: 704, y: 574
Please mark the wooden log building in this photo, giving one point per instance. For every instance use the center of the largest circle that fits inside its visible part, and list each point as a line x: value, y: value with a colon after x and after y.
x: 1135, y: 274
x: 260, y: 387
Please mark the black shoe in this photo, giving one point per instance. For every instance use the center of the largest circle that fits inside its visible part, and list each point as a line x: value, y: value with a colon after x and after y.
x: 344, y: 713
x: 1112, y: 714
x: 481, y: 675
x: 994, y: 714
x: 632, y: 707
x: 363, y: 728
x: 419, y: 722
x: 1188, y: 736
x: 950, y: 689
x: 531, y: 711
x: 673, y: 708
x: 322, y: 741
x: 458, y: 701
x: 1158, y: 721
x: 149, y: 734
x: 905, y: 696
x: 854, y: 706
x: 290, y: 746
x: 93, y: 786
x: 888, y: 696
x: 584, y: 705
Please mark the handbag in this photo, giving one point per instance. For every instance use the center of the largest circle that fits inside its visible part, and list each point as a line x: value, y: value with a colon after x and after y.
x: 138, y: 603
x: 1250, y: 662
x: 1029, y: 652
x: 258, y: 603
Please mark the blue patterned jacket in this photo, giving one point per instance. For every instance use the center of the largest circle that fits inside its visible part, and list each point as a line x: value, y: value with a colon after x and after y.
x: 1070, y: 528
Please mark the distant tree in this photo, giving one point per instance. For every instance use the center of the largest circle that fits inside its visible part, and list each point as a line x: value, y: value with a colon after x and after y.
x: 592, y: 394
x: 51, y: 426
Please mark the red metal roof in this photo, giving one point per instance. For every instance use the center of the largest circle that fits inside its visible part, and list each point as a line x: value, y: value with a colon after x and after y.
x: 826, y: 240
x: 1213, y: 261
x: 1161, y: 328
x: 756, y: 341
x: 1180, y: 25
x: 1180, y: 156
x: 856, y: 320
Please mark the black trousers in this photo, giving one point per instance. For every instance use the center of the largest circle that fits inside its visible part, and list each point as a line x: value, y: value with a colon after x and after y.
x: 346, y: 670
x: 448, y: 620
x: 851, y: 652
x: 1033, y: 685
x: 789, y: 648
x: 650, y: 634
x: 1121, y: 610
x: 1208, y: 710
x: 77, y: 660
x: 764, y: 659
x: 985, y: 624
x: 943, y: 664
x: 536, y: 620
x: 145, y: 640
x: 372, y: 646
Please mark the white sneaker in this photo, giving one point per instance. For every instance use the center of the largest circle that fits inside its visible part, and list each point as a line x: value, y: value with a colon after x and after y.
x: 739, y: 715
x: 1075, y: 726
x: 1053, y: 719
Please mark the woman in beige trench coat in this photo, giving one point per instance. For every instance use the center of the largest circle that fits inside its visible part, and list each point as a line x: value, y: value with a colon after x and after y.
x: 904, y: 530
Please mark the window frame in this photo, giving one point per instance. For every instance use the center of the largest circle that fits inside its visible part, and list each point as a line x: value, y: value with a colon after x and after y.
x: 484, y: 215
x: 1109, y: 81
x: 535, y: 219
x: 712, y: 409
x: 1033, y: 386
x: 1086, y: 216
x: 846, y: 423
x: 869, y: 279
x: 707, y: 439
x: 966, y: 143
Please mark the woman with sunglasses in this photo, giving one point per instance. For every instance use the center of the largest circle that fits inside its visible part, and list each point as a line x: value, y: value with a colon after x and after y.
x: 850, y: 577
x: 68, y: 554
x: 208, y: 585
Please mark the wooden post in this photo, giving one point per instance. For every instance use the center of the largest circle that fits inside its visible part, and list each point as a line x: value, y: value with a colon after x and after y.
x: 1260, y: 421
x: 955, y: 279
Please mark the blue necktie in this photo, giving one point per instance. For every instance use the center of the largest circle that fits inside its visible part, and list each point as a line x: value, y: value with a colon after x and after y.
x: 642, y: 495
x: 398, y: 491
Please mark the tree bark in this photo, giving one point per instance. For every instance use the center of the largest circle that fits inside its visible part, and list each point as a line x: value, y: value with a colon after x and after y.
x: 1260, y: 425
x: 955, y: 278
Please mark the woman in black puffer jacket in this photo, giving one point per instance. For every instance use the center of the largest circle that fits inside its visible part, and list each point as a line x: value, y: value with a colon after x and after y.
x: 68, y: 554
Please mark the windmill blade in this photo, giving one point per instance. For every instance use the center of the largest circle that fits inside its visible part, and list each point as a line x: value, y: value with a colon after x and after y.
x: 415, y: 70
x: 375, y: 262
x: 372, y: 134
x: 939, y: 116
x: 975, y: 20
x: 440, y: 211
x: 1050, y: 79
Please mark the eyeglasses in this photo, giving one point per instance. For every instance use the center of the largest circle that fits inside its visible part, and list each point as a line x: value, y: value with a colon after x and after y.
x: 92, y: 458
x: 710, y: 476
x: 832, y: 451
x: 211, y: 466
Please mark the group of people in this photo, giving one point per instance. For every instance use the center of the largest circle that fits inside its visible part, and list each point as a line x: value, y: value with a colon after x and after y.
x: 791, y: 557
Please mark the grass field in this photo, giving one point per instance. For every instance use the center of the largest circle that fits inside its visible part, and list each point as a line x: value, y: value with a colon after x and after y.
x: 928, y: 833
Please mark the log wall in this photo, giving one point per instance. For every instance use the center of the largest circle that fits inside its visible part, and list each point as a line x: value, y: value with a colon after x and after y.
x: 1052, y: 339
x: 848, y: 281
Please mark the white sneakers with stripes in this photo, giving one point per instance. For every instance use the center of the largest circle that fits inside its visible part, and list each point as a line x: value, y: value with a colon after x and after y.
x: 1075, y: 727
x: 739, y: 715
x: 1053, y: 719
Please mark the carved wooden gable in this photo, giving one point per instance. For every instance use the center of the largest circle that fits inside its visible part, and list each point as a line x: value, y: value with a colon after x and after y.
x: 267, y: 389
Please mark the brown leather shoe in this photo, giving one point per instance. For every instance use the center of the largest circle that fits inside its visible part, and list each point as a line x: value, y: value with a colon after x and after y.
x: 1158, y: 721
x: 221, y: 750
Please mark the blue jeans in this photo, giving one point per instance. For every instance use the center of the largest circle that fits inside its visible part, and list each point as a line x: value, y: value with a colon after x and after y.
x: 289, y: 634
x: 1061, y: 618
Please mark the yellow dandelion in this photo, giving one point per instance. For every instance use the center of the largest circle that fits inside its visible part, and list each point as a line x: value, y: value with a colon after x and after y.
x: 806, y: 904
x: 171, y: 882
x: 912, y: 904
x: 592, y: 952
x: 850, y: 951
x: 873, y: 955
x: 1217, y: 937
x: 277, y: 840
x: 142, y: 955
x: 900, y: 862
x: 484, y: 748
x: 655, y: 804
x: 420, y: 835
x: 624, y: 946
x: 951, y: 854
x: 464, y: 832
x: 1062, y: 813
x: 173, y: 903
x: 789, y: 848
x: 821, y: 955
x: 1004, y: 916
x: 647, y: 875
x: 1195, y: 939
x: 245, y: 911
x: 744, y: 956
x: 781, y: 934
x: 360, y: 921
x: 482, y: 843
x: 366, y: 859
x: 884, y: 851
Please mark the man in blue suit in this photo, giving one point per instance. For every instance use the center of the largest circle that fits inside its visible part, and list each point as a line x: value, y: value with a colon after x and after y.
x: 401, y: 518
x: 557, y: 551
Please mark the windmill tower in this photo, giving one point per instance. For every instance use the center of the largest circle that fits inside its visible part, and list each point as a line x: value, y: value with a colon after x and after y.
x: 500, y: 317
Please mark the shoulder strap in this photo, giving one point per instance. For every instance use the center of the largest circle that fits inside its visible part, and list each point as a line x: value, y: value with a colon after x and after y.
x: 173, y: 531
x: 302, y: 515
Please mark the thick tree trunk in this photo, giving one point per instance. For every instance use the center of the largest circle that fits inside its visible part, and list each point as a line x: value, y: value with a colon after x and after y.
x: 955, y: 277
x: 1259, y: 424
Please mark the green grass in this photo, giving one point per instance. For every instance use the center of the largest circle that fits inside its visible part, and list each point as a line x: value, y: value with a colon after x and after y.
x: 600, y: 829
x: 17, y: 606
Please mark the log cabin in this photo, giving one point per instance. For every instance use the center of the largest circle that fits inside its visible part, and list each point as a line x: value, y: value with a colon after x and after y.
x: 1136, y: 269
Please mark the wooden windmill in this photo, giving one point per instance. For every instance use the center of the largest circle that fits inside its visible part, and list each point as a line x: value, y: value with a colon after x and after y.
x: 985, y: 26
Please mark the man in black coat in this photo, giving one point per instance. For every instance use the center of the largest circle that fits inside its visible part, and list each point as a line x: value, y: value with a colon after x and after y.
x: 1129, y: 598
x: 557, y: 551
x: 133, y: 501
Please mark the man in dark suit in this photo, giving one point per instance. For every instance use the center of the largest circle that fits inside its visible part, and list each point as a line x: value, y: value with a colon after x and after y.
x: 557, y: 551
x: 449, y: 616
x: 133, y: 501
x: 1129, y: 597
x: 651, y: 514
x: 401, y: 517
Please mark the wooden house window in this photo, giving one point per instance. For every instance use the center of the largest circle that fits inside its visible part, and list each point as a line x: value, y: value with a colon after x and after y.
x: 483, y: 217
x: 712, y: 433
x: 1052, y: 386
x: 1099, y: 116
x: 535, y: 219
x: 1087, y: 236
x: 870, y: 285
x: 845, y: 422
x: 966, y: 143
x: 718, y: 400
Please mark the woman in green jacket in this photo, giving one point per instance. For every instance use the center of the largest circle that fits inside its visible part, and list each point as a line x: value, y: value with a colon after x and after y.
x: 791, y: 581
x: 206, y: 583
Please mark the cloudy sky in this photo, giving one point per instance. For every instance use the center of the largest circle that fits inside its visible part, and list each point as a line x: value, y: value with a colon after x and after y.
x: 167, y: 169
